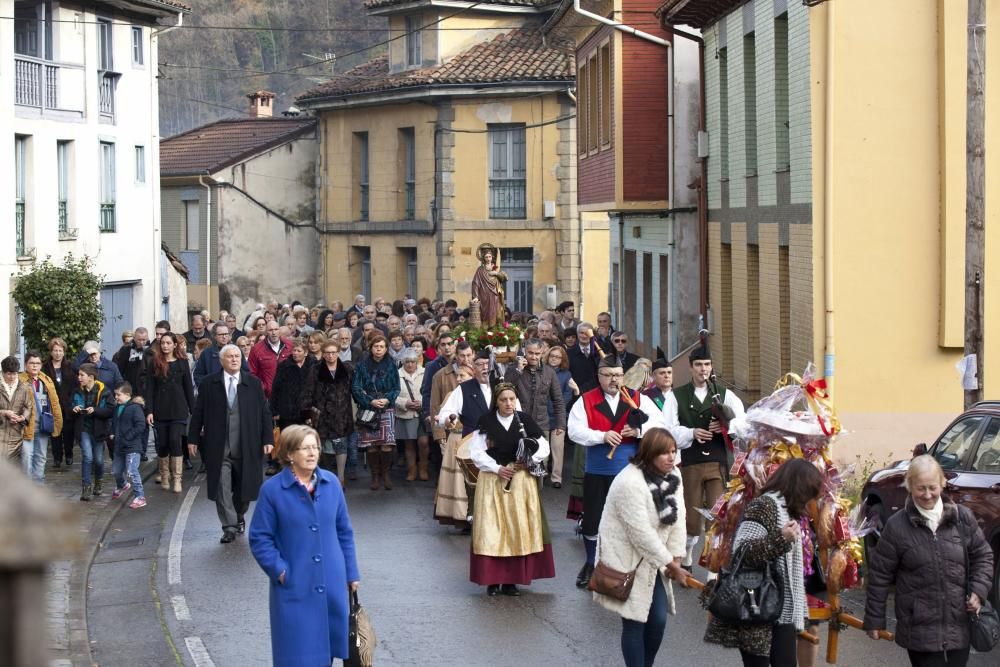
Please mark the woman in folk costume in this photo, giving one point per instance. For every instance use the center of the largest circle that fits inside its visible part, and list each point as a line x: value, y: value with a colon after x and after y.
x: 510, y: 536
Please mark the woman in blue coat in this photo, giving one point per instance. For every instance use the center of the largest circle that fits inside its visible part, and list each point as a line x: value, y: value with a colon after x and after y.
x: 302, y: 538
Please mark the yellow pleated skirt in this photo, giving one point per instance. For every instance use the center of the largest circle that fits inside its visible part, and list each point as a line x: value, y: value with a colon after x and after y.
x: 507, y: 523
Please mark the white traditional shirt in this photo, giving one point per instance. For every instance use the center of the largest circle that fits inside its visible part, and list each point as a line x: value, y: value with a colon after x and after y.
x: 483, y: 461
x: 455, y: 401
x: 579, y: 431
x: 684, y: 435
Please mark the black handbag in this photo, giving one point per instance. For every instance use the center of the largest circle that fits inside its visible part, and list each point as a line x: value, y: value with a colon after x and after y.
x: 361, y: 638
x: 748, y: 596
x: 984, y: 627
x: 368, y: 419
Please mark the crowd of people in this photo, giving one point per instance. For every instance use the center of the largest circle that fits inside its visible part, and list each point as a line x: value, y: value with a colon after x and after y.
x: 309, y: 396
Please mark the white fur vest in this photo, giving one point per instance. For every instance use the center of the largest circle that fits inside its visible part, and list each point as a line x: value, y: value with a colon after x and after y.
x: 630, y: 530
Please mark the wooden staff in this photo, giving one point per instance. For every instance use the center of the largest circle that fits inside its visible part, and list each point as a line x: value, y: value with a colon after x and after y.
x: 826, y: 614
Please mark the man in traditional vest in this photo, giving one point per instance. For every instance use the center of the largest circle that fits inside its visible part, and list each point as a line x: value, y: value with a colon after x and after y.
x: 687, y: 411
x: 663, y: 381
x: 603, y: 421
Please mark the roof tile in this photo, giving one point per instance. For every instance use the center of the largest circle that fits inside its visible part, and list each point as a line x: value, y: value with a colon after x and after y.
x: 518, y: 55
x: 211, y: 147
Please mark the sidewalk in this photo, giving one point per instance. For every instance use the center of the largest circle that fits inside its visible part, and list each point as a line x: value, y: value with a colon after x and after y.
x: 69, y: 643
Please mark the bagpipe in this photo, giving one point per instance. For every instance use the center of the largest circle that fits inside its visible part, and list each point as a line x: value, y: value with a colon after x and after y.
x: 526, y: 448
x: 635, y: 418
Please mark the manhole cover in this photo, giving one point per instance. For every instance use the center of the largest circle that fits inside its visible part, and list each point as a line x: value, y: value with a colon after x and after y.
x: 117, y: 544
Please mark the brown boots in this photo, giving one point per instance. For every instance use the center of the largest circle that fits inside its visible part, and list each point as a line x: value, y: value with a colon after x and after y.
x: 164, y: 473
x: 425, y: 454
x: 387, y: 458
x: 176, y: 471
x: 411, y: 460
x: 375, y: 466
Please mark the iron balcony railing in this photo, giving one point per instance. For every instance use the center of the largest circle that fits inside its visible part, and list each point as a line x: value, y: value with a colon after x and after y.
x: 507, y: 198
x: 36, y: 83
x: 108, y: 217
x: 63, y: 217
x: 411, y: 200
x: 364, y: 201
x: 19, y: 228
x: 108, y: 82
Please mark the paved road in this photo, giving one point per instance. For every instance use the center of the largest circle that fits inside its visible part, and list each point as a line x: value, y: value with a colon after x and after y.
x: 414, y: 583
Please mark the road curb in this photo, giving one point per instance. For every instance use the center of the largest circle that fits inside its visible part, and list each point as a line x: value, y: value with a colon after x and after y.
x: 79, y: 635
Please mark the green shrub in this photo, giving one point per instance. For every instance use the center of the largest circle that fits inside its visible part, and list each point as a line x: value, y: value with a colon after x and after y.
x: 61, y: 301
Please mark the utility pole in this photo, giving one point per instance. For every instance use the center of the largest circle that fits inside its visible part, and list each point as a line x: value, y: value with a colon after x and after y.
x: 975, y: 153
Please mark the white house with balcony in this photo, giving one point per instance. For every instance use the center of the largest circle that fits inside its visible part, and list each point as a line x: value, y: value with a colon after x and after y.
x: 79, y: 99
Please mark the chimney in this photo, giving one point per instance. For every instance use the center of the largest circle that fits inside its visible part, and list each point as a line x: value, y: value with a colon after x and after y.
x: 261, y: 104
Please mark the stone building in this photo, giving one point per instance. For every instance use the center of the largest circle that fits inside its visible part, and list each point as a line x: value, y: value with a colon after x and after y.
x: 238, y: 208
x: 463, y: 133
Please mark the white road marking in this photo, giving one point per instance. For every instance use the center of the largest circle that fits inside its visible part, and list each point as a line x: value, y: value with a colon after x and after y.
x: 181, y: 611
x: 198, y: 652
x: 177, y: 538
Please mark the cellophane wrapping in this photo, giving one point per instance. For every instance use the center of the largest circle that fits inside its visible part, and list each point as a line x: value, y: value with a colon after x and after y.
x: 797, y: 420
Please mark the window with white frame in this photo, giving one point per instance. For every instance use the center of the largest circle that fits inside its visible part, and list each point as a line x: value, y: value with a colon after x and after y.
x: 414, y: 56
x: 507, y: 171
x: 107, y: 187
x: 191, y: 224
x: 137, y: 50
x: 140, y: 164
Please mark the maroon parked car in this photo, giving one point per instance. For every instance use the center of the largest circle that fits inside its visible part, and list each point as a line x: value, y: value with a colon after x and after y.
x: 969, y: 453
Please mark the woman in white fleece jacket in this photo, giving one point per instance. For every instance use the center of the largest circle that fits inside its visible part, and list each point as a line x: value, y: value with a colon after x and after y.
x: 642, y: 529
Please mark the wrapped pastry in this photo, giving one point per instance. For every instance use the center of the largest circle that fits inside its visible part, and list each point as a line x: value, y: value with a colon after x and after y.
x: 838, y: 565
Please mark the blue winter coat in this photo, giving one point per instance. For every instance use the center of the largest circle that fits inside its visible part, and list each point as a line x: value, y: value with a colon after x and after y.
x: 312, y: 542
x: 128, y: 426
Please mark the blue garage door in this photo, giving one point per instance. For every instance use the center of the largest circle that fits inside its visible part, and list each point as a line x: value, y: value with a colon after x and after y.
x: 116, y: 301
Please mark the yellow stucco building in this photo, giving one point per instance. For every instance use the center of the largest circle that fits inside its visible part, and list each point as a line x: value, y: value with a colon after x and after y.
x: 836, y: 163
x: 463, y: 133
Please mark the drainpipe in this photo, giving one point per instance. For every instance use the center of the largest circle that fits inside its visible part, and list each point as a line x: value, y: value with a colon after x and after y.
x: 618, y: 25
x: 208, y: 244
x: 829, y: 355
x: 702, y: 207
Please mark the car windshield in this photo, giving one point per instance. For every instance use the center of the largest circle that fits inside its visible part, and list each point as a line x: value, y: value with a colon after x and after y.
x: 988, y: 454
x: 955, y: 443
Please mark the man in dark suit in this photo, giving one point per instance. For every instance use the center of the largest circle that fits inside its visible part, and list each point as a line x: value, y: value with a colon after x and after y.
x: 583, y: 358
x: 619, y: 341
x: 231, y: 426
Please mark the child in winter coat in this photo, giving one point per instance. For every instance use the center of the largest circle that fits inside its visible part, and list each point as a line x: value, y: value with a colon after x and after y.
x: 93, y: 407
x: 127, y: 431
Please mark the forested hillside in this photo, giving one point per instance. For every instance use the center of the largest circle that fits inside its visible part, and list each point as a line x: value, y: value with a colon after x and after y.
x: 228, y: 48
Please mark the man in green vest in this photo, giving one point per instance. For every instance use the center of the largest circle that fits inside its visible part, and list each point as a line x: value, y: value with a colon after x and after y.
x: 662, y: 374
x: 687, y: 411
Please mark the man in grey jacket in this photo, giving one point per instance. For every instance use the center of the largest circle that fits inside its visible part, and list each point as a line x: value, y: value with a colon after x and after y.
x: 537, y: 388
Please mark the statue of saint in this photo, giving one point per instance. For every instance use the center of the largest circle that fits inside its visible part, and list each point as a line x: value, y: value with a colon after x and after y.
x: 488, y: 285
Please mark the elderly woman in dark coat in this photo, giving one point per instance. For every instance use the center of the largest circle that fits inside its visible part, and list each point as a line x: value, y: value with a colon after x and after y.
x: 326, y: 403
x: 301, y: 536
x: 922, y: 552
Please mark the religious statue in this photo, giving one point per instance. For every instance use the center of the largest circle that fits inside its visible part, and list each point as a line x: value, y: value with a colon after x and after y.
x: 488, y: 285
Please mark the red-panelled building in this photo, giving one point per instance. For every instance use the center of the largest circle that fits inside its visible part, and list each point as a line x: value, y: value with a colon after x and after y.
x: 628, y: 142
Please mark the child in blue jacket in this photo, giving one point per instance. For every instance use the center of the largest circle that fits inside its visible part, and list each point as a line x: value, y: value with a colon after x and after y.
x: 127, y: 431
